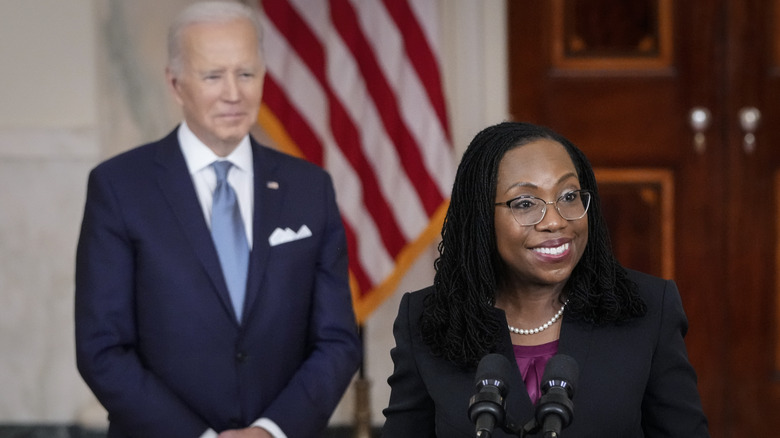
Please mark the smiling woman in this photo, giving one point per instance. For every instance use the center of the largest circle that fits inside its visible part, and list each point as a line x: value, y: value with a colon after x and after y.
x: 539, y: 255
x: 526, y: 271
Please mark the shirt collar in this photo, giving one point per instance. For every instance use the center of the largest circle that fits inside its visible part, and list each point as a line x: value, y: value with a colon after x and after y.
x: 199, y: 156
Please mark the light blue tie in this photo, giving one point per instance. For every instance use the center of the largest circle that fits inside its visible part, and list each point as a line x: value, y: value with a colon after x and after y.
x: 227, y: 230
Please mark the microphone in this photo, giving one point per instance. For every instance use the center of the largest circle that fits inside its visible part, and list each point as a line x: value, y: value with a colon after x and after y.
x: 555, y: 408
x: 487, y: 407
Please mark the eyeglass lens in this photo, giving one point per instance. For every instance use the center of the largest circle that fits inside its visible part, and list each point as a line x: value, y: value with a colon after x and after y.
x: 530, y: 210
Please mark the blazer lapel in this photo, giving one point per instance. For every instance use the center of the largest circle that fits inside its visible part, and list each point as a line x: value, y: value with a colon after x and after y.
x: 518, y: 404
x: 269, y: 195
x: 176, y: 185
x: 574, y: 341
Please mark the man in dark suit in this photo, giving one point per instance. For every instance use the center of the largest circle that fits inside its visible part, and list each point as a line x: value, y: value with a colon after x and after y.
x: 175, y: 337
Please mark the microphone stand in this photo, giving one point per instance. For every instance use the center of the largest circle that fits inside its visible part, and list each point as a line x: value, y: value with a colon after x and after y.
x: 530, y: 428
x: 555, y: 405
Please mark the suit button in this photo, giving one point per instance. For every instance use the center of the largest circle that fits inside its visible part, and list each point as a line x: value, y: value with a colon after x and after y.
x: 235, y: 422
x: 241, y: 357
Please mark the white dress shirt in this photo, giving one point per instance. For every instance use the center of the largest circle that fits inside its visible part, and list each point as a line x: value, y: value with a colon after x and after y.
x: 199, y: 157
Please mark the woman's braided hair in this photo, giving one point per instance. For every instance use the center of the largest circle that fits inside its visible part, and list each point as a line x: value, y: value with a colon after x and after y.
x: 458, y: 321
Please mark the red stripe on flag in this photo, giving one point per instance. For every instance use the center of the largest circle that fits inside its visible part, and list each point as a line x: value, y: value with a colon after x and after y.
x: 420, y: 55
x: 364, y: 283
x: 299, y: 131
x: 311, y: 52
x: 345, y: 21
x: 348, y: 139
x: 291, y: 120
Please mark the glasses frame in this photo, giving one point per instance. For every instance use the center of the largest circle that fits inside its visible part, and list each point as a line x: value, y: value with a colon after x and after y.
x: 546, y: 203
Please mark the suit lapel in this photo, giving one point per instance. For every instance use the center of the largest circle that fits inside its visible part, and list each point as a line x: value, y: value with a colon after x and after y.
x: 269, y: 194
x: 176, y: 185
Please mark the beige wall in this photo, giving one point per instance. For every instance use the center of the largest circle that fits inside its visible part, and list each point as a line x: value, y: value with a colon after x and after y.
x: 83, y: 80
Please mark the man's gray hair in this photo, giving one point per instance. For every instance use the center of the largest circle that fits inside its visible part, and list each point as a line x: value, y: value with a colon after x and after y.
x: 208, y: 12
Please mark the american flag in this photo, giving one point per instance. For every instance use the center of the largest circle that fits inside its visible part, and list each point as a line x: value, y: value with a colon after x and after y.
x: 355, y: 87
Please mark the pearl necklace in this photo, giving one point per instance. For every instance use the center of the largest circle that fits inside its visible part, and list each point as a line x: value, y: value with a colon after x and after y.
x: 541, y: 328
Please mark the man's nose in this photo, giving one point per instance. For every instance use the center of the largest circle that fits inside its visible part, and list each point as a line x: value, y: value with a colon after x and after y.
x: 230, y: 90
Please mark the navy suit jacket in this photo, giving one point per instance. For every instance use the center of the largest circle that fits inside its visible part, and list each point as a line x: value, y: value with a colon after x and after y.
x: 156, y: 336
x: 635, y: 379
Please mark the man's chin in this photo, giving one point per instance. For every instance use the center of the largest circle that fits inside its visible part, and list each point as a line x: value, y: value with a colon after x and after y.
x: 233, y: 136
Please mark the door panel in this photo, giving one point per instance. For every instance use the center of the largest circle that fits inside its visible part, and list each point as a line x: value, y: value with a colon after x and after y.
x: 752, y: 233
x: 639, y: 207
x: 619, y: 79
x: 612, y: 35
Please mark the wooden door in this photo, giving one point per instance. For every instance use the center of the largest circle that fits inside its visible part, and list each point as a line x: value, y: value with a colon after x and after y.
x: 620, y: 80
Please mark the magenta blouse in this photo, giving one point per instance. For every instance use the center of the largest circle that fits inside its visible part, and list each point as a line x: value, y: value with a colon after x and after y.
x: 531, y: 359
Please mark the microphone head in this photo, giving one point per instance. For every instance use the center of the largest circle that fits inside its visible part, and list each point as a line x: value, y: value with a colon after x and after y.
x: 487, y: 405
x: 562, y: 371
x: 493, y: 369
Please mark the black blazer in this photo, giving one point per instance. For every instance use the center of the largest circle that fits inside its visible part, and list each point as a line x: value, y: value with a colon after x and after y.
x: 635, y: 378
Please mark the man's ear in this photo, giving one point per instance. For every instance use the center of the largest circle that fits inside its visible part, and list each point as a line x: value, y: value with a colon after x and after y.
x: 173, y: 84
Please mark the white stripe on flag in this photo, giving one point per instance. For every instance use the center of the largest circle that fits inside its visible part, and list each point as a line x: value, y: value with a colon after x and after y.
x: 410, y: 190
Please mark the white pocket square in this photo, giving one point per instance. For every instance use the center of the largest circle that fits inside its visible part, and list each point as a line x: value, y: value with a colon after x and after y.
x: 280, y: 236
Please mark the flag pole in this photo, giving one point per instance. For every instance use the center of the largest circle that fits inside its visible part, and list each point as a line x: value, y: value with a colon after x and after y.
x: 362, y: 395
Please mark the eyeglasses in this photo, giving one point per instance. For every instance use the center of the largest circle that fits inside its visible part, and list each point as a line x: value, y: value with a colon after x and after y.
x: 529, y: 210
